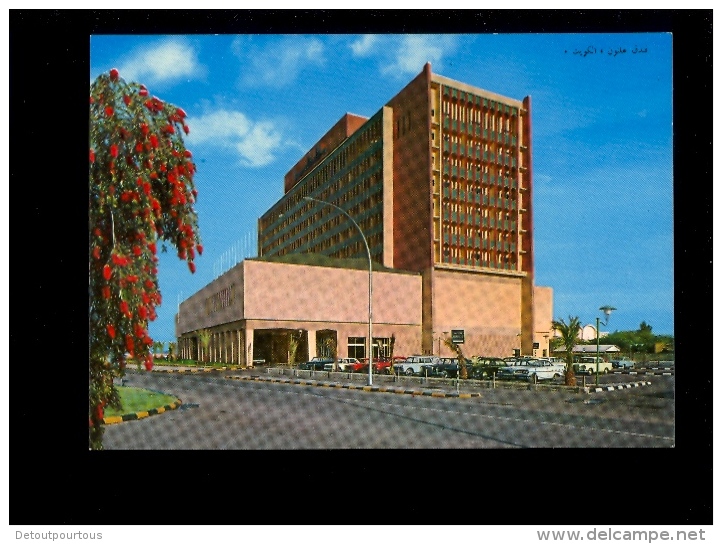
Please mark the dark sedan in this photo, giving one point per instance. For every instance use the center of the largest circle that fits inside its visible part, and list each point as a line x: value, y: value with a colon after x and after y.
x: 317, y: 363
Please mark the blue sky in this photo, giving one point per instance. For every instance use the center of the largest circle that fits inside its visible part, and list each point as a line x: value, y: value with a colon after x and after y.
x: 602, y: 155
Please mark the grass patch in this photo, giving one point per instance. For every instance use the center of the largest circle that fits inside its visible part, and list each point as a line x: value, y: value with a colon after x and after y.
x: 134, y: 399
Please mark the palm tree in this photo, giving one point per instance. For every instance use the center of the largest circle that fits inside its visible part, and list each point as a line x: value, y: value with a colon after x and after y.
x: 569, y: 333
x: 456, y: 348
x: 171, y: 350
x: 204, y: 336
x: 292, y: 349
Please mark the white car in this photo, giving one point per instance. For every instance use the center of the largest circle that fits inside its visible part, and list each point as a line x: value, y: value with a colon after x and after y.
x: 341, y: 364
x: 532, y: 370
x: 414, y: 364
x: 589, y: 365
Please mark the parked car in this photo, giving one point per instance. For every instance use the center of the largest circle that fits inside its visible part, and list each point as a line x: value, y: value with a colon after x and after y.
x: 588, y: 365
x: 485, y: 367
x: 532, y: 370
x: 624, y: 362
x: 384, y: 365
x: 316, y: 363
x: 414, y: 364
x: 341, y: 365
x: 360, y: 365
x: 432, y: 367
x: 450, y: 368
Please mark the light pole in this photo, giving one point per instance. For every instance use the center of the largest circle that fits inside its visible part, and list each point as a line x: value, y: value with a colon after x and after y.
x: 368, y: 254
x: 607, y: 312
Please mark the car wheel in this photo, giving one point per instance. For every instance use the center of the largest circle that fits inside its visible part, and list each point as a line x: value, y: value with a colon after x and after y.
x: 557, y: 375
x: 533, y: 378
x: 409, y: 372
x: 444, y: 374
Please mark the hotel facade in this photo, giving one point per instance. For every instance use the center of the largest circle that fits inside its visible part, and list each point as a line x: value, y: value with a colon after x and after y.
x: 440, y: 182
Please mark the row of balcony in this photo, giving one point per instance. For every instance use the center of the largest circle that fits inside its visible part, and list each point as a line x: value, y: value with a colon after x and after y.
x: 472, y: 152
x: 474, y: 129
x: 475, y: 174
x: 478, y: 243
x: 478, y: 221
x: 470, y: 98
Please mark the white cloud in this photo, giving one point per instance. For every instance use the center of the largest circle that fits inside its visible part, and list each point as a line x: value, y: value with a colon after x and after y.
x: 254, y: 142
x: 364, y: 45
x: 162, y: 62
x: 413, y: 51
x: 278, y: 63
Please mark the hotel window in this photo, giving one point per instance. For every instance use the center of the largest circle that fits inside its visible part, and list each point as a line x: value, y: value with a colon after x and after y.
x: 357, y: 347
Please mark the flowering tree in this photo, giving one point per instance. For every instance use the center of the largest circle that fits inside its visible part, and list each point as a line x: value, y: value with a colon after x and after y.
x: 140, y: 192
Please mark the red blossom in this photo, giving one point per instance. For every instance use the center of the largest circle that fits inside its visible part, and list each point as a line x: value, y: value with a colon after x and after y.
x: 152, y: 248
x: 144, y: 129
x: 107, y: 272
x: 192, y: 267
x: 92, y: 156
x: 199, y: 247
x: 123, y: 307
x: 106, y: 292
x: 136, y: 251
x: 149, y: 284
x: 111, y: 330
x: 154, y: 141
x: 142, y: 312
x: 113, y: 150
x: 181, y: 113
x: 96, y: 252
x: 148, y: 363
x: 114, y: 74
x: 126, y: 99
x: 129, y: 345
x: 109, y: 111
x: 187, y: 153
x: 186, y: 129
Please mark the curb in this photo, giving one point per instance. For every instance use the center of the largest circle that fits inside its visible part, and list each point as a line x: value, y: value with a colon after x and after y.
x: 617, y: 387
x: 141, y: 415
x: 194, y: 370
x: 368, y: 388
x: 642, y: 372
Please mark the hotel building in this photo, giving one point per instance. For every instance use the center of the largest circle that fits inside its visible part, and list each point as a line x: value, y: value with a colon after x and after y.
x: 440, y: 182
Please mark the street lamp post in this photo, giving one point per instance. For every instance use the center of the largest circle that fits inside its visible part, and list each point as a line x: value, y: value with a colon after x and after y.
x: 607, y: 312
x: 368, y: 254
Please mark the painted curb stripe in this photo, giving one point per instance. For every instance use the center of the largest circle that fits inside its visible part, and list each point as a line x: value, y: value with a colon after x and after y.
x: 141, y: 415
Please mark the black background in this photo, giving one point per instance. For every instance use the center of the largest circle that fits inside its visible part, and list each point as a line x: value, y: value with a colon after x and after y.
x: 55, y: 480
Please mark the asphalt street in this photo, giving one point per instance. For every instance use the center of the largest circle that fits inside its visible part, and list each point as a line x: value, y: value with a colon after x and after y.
x: 223, y: 414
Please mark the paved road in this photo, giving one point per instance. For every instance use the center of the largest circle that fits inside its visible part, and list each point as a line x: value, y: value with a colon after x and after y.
x: 218, y: 413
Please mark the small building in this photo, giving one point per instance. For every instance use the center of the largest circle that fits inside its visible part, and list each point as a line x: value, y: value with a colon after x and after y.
x: 590, y: 349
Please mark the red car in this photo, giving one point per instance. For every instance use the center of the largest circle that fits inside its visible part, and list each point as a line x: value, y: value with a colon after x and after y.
x: 358, y: 366
x: 384, y: 365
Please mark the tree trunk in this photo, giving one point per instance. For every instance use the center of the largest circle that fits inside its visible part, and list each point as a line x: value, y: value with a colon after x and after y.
x: 570, y: 378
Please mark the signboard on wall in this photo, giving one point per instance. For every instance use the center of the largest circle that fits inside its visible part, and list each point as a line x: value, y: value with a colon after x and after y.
x: 457, y: 336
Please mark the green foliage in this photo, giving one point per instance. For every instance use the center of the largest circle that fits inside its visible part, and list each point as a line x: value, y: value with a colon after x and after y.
x: 569, y: 332
x: 641, y: 341
x: 171, y: 350
x: 456, y: 348
x: 140, y: 192
x: 292, y: 349
x: 204, y: 337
